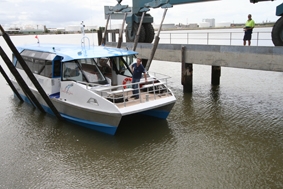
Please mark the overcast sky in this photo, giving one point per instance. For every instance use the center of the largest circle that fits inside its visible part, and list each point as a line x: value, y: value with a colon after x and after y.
x: 61, y: 13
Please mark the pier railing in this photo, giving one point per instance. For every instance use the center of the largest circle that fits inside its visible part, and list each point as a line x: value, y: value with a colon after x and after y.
x: 215, y: 38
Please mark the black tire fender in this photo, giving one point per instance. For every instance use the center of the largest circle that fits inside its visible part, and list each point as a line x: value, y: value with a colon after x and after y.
x: 149, y: 33
x: 130, y: 36
x: 277, y: 32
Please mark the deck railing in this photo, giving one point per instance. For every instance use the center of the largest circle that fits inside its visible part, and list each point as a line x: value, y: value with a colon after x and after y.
x: 153, y: 89
x: 215, y: 38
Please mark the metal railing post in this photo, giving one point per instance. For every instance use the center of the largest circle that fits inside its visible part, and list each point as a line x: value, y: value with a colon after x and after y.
x: 188, y: 38
x: 221, y: 37
x: 257, y: 38
x: 207, y: 38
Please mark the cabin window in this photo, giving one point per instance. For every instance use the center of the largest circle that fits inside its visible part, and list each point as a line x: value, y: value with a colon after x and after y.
x: 92, y: 71
x: 71, y: 71
x: 121, y: 67
x: 29, y: 62
x: 18, y: 65
x: 104, y: 66
x: 85, y: 61
x: 124, y: 65
x: 38, y: 66
x: 38, y: 62
x: 47, y: 71
x: 38, y: 55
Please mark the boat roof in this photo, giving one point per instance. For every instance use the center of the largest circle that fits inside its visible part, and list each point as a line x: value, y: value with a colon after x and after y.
x: 71, y: 52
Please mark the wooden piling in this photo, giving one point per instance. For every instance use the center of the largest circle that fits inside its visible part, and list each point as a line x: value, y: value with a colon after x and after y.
x: 187, y: 74
x: 114, y: 37
x: 99, y: 36
x: 215, y: 75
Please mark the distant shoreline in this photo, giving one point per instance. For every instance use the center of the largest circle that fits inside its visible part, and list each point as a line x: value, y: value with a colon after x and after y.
x: 210, y: 28
x: 163, y: 29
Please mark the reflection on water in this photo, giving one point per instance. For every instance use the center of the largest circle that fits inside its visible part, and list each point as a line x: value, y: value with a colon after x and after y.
x: 229, y: 136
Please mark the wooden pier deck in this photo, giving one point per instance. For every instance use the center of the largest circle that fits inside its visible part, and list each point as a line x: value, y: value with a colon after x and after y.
x: 217, y: 56
x: 246, y: 57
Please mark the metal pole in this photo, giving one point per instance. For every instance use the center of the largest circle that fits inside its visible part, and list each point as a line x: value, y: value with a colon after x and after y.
x: 121, y: 32
x: 105, y: 31
x: 187, y: 38
x: 257, y: 38
x: 29, y: 73
x: 230, y: 38
x: 164, y: 14
x: 21, y: 81
x: 207, y: 40
x: 138, y: 32
x: 156, y: 41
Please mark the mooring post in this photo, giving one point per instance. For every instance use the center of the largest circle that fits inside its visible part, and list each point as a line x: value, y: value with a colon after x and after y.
x: 106, y: 38
x: 187, y: 73
x: 215, y: 75
x: 113, y: 36
x: 99, y: 36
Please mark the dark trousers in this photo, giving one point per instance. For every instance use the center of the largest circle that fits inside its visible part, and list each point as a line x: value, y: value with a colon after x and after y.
x: 135, y: 87
x: 248, y: 35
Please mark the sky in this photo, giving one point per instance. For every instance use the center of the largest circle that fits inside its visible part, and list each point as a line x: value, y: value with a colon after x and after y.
x: 62, y: 13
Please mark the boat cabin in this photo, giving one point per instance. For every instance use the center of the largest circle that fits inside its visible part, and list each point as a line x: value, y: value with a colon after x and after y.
x: 51, y: 66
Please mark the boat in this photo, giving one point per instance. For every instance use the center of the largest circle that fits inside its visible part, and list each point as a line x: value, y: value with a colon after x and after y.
x: 91, y: 86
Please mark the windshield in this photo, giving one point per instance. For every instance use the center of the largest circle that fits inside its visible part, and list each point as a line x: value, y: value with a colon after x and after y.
x: 71, y: 71
x: 92, y: 71
x: 123, y: 65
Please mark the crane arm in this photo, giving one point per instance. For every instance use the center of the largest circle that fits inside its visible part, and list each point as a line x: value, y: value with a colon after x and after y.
x: 138, y: 4
x: 179, y: 2
x: 147, y: 30
x: 256, y: 1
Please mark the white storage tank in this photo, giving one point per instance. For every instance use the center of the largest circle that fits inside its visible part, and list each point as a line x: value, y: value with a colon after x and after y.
x: 223, y: 24
x: 211, y: 21
x: 204, y: 24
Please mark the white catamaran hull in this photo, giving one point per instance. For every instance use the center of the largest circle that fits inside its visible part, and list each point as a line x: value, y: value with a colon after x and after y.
x: 103, y: 121
x: 91, y: 86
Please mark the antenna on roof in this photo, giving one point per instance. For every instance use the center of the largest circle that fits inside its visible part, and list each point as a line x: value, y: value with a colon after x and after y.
x: 84, y: 37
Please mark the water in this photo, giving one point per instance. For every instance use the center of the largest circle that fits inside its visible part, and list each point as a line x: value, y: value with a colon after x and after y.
x: 230, y: 136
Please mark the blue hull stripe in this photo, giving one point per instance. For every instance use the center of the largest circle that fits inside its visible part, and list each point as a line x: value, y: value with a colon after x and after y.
x: 92, y: 125
x: 157, y: 113
x: 88, y: 124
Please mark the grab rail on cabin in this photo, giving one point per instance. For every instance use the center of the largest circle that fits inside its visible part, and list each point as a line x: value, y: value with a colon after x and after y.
x: 84, y: 37
x: 83, y: 42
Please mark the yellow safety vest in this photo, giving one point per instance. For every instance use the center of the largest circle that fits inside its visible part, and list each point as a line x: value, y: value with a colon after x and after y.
x: 250, y: 23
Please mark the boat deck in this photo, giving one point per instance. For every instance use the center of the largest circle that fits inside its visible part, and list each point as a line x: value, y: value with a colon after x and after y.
x: 122, y: 95
x: 125, y: 98
x: 144, y: 97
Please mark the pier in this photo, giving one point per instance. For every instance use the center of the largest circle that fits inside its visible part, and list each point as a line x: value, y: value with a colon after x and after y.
x: 217, y: 56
